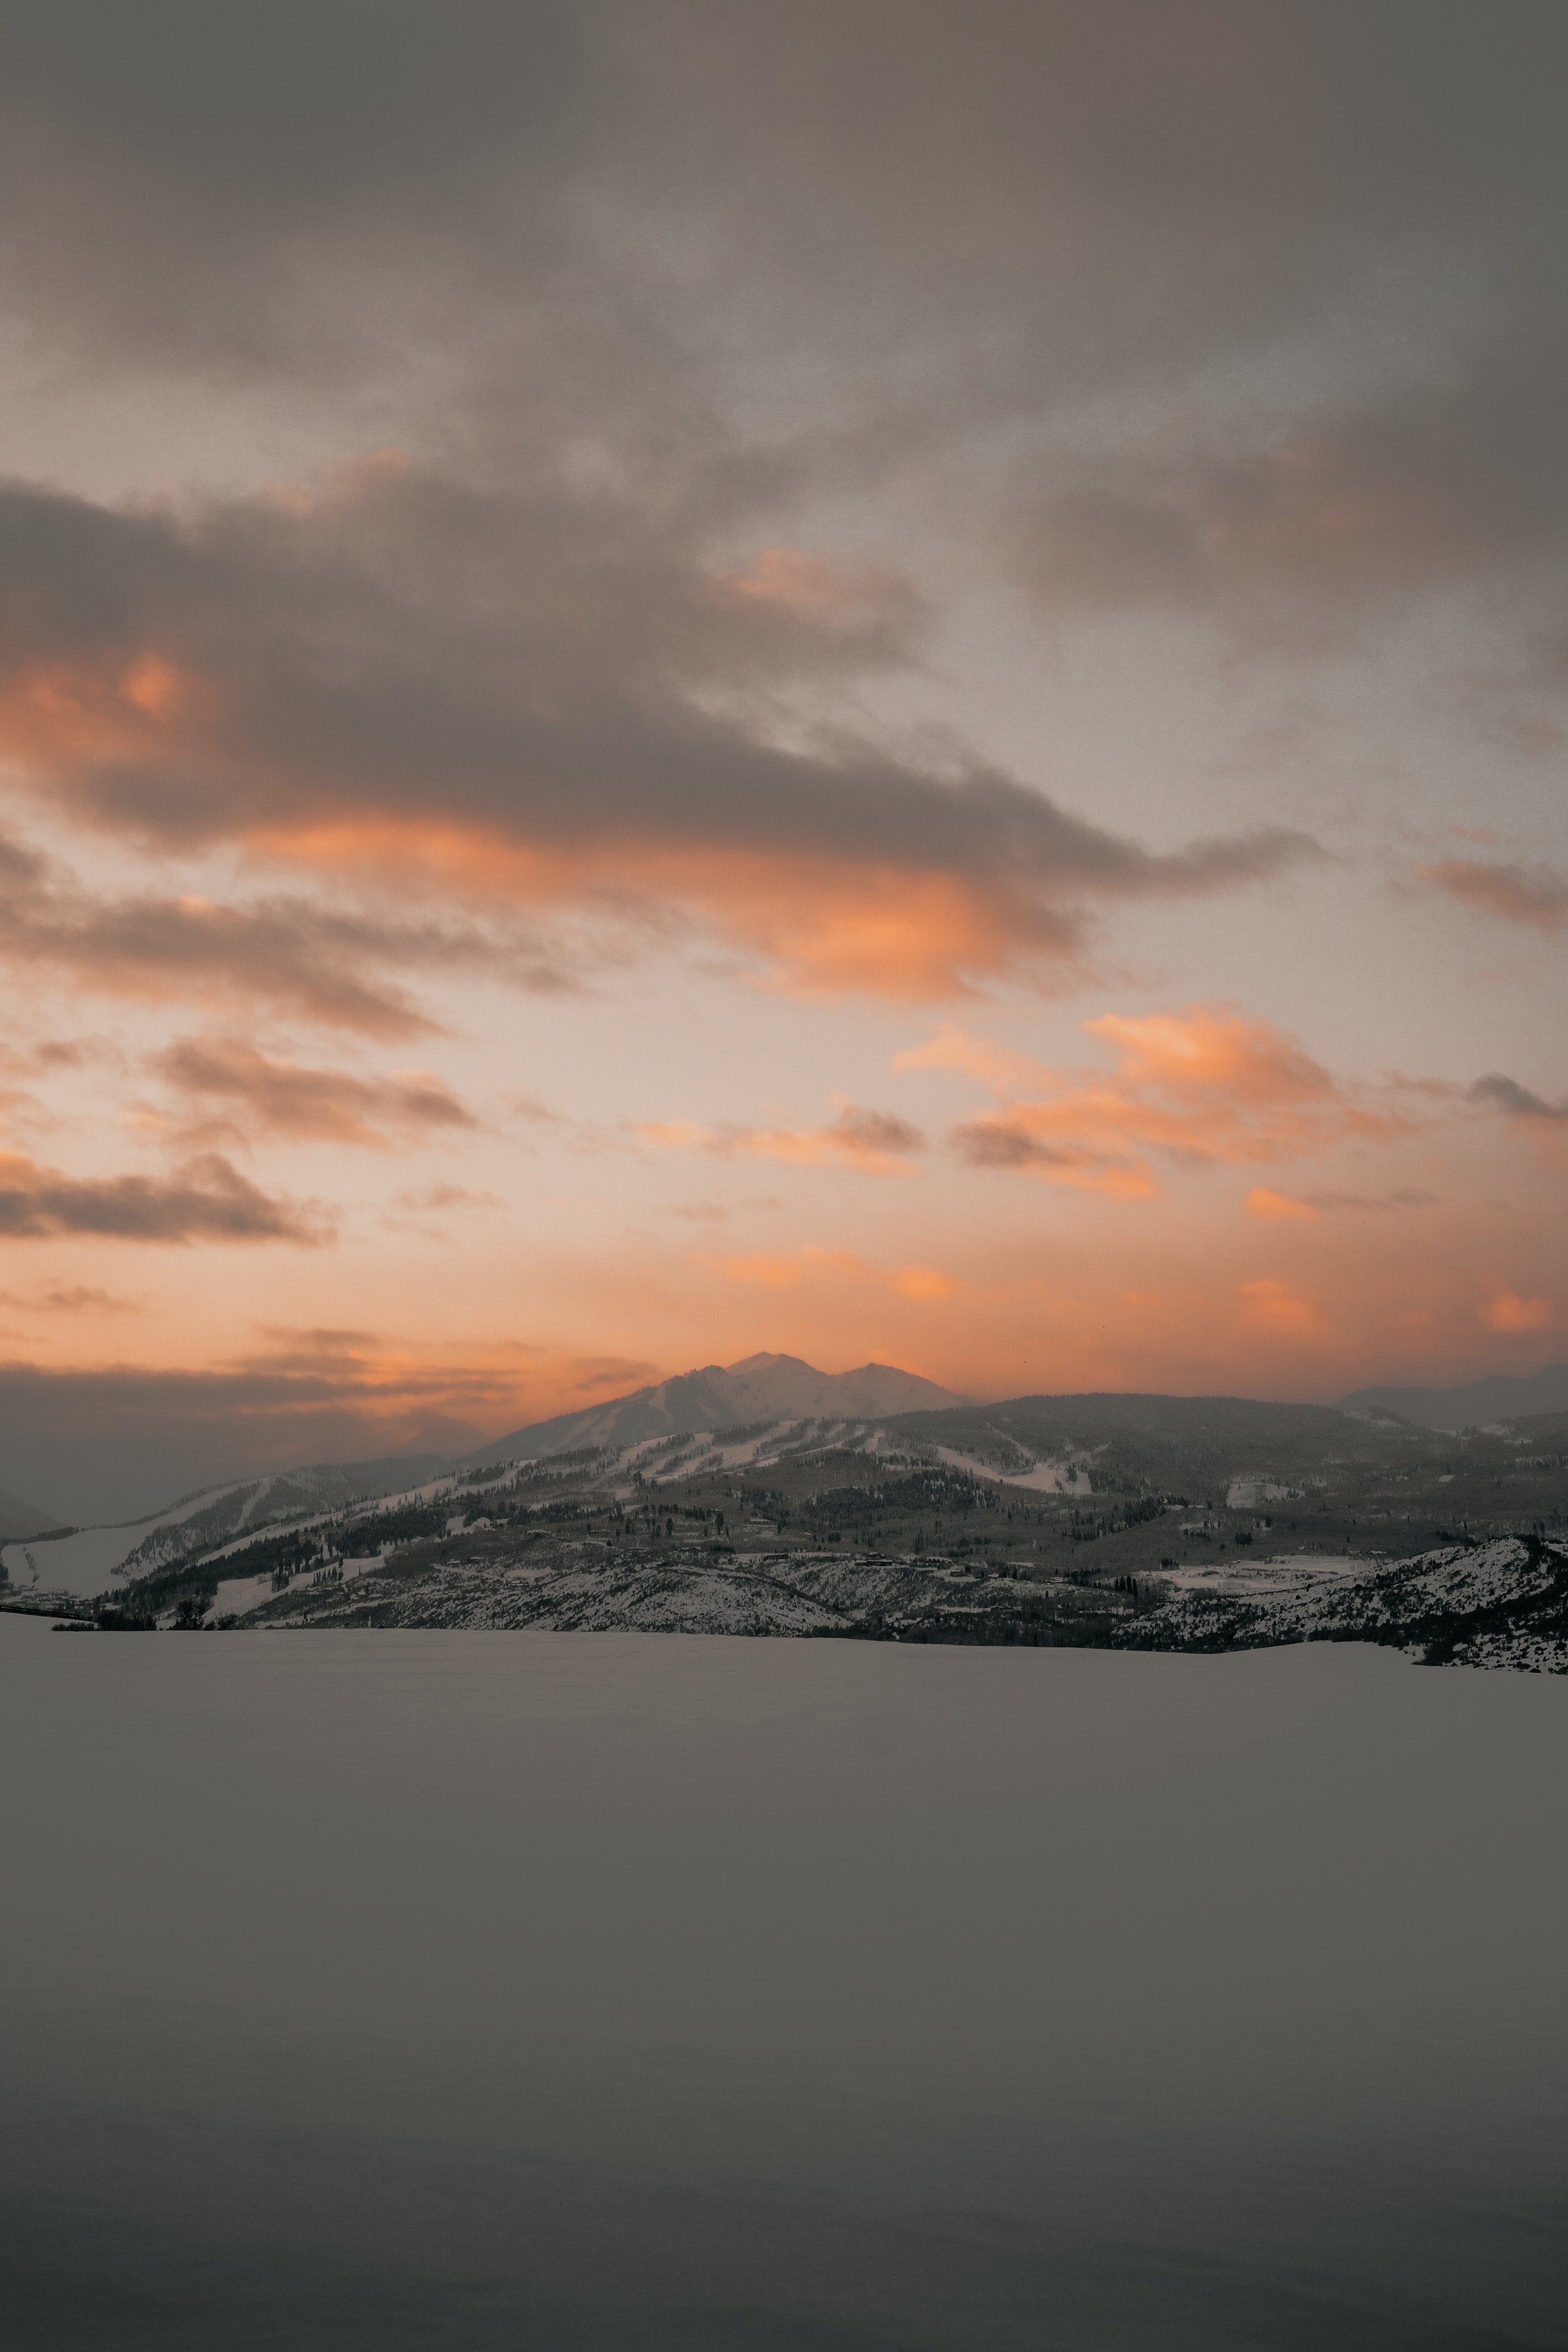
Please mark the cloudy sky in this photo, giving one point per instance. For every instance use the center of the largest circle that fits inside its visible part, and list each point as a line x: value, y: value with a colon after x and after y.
x: 885, y: 680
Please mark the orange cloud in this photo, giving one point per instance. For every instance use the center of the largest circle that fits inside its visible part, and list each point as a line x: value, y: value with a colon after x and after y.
x: 996, y: 1067
x: 768, y: 1270
x: 1203, y: 1087
x: 1507, y: 1313
x: 1279, y: 1308
x: 862, y: 612
x: 825, y: 926
x: 874, y: 1140
x: 540, y: 698
x: 922, y: 1282
x: 118, y: 705
x: 290, y: 952
x: 674, y: 1134
x: 1261, y: 1202
x: 153, y: 687
x: 1213, y: 1055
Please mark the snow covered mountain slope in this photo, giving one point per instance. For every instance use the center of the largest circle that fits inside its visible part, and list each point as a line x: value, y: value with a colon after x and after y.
x: 725, y: 1396
x: 83, y: 1563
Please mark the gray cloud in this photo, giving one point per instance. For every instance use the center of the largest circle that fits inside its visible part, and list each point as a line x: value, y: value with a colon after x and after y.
x: 315, y: 1104
x: 72, y: 1298
x: 413, y: 1208
x: 1454, y: 485
x: 609, y: 222
x: 447, y: 1196
x: 285, y: 951
x: 538, y: 671
x: 304, y: 143
x: 1405, y: 1196
x: 993, y: 1143
x: 207, y: 1200
x: 865, y: 1139
x: 642, y: 287
x: 1499, y: 1093
x: 665, y: 275
x: 269, y: 159
x: 1534, y: 895
x: 876, y: 1132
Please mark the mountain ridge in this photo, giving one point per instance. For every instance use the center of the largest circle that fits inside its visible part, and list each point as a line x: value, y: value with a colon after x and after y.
x: 784, y: 1392
x: 717, y: 1396
x: 1473, y: 1404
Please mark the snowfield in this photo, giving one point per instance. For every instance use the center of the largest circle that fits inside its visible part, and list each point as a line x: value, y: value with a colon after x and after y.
x: 1045, y: 1477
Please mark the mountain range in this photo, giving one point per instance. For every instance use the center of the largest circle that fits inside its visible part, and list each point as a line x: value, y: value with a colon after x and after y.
x: 1477, y: 1404
x: 778, y: 1393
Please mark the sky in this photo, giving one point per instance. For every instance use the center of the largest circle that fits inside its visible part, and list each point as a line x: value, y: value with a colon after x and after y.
x: 881, y: 680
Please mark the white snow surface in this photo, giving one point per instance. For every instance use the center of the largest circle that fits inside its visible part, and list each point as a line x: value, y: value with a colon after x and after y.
x: 1248, y: 1494
x: 1045, y: 1477
x: 1256, y: 1580
x: 238, y: 1595
x: 82, y: 1565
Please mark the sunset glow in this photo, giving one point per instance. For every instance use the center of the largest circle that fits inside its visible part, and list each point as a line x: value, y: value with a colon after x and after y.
x: 583, y: 793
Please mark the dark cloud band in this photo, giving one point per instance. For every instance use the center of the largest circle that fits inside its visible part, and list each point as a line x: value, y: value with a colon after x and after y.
x: 207, y: 1200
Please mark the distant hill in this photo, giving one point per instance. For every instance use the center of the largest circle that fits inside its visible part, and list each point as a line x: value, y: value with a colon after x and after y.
x: 82, y: 1563
x: 1502, y: 1396
x: 1143, y: 1522
x: 18, y: 1519
x: 774, y: 1408
x: 723, y: 1396
x: 1184, y: 1444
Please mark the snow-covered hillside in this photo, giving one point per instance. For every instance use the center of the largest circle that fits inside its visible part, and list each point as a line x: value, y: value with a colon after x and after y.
x: 759, y: 1388
x: 91, y: 1560
x: 1496, y: 1604
x: 1503, y: 1604
x: 1202, y: 1524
